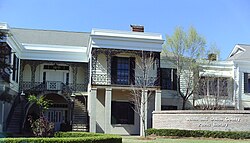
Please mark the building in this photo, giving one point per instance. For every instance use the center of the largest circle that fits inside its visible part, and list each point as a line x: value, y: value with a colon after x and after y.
x: 90, y: 78
x: 87, y: 76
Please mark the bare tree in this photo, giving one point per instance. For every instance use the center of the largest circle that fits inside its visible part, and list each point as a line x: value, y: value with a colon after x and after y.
x: 214, y: 93
x: 141, y: 92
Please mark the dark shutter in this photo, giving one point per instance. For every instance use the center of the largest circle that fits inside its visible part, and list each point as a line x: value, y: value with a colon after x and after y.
x: 132, y: 70
x: 113, y: 70
x: 174, y: 79
x: 245, y: 82
x: 14, y: 68
x: 17, y: 70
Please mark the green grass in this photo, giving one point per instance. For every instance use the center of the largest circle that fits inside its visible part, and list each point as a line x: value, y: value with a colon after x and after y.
x: 133, y: 139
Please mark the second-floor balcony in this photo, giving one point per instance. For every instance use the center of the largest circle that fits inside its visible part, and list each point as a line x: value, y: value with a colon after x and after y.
x: 53, y: 86
x: 102, y: 79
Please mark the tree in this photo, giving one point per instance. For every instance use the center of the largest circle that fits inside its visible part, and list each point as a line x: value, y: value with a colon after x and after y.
x: 186, y: 51
x: 140, y: 92
x: 41, y: 126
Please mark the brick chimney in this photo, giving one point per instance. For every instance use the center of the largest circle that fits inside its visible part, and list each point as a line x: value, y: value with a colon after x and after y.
x: 137, y: 28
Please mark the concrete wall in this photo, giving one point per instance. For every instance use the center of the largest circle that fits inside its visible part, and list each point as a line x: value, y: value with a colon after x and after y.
x: 227, y: 120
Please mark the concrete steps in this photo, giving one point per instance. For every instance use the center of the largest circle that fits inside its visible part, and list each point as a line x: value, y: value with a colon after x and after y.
x: 15, y: 121
x: 80, y: 117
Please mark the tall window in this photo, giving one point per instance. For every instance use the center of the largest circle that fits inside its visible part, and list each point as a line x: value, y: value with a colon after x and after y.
x: 122, y: 71
x: 122, y: 113
x: 168, y: 79
x: 246, y: 82
x: 217, y: 86
x: 44, y: 77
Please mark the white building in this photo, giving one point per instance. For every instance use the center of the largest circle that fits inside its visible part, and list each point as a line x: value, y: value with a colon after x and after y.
x: 89, y: 77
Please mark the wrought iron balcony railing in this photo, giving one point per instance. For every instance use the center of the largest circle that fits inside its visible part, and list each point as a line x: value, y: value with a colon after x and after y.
x: 102, y: 79
x: 53, y: 86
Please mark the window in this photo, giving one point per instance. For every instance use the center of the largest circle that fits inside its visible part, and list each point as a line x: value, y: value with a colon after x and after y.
x: 44, y: 77
x: 217, y: 86
x: 55, y: 67
x: 246, y: 82
x: 122, y: 70
x: 122, y: 113
x: 67, y: 78
x: 169, y: 79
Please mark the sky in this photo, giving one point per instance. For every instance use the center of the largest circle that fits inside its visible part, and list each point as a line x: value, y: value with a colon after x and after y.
x: 223, y: 23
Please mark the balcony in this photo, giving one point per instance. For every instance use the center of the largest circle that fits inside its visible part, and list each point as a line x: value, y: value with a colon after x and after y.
x: 53, y: 86
x: 100, y: 79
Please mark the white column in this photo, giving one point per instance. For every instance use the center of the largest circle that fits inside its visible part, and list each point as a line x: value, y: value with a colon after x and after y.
x: 144, y: 108
x: 240, y: 90
x: 92, y: 110
x: 158, y: 100
x: 108, y: 99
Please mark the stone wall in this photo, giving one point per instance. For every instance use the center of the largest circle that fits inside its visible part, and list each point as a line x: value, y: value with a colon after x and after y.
x: 229, y: 120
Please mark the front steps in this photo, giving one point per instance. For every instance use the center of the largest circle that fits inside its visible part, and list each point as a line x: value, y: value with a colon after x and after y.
x: 15, y: 121
x: 80, y: 117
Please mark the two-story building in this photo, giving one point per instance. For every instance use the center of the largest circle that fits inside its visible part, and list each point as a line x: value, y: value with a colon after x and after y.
x: 92, y: 79
x: 87, y: 76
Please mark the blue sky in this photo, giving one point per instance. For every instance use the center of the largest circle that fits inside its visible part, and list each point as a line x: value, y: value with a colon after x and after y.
x: 223, y: 22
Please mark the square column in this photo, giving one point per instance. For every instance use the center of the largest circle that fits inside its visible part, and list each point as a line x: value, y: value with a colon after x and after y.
x: 92, y: 110
x: 108, y: 99
x: 144, y: 112
x: 158, y: 100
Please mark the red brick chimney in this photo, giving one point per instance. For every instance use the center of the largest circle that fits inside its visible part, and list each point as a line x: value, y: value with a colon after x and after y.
x: 137, y: 28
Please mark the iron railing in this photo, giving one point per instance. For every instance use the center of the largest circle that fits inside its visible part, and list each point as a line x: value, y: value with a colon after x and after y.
x: 53, y: 86
x: 102, y: 79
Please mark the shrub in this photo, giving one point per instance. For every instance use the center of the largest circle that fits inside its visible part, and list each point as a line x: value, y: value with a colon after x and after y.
x: 199, y: 133
x: 77, y: 134
x: 68, y: 137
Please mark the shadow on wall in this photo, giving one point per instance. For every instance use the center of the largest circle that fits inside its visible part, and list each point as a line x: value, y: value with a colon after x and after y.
x: 99, y: 128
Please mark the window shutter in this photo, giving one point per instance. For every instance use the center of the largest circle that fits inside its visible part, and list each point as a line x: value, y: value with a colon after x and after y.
x: 245, y: 82
x: 174, y: 79
x: 132, y: 70
x: 113, y: 70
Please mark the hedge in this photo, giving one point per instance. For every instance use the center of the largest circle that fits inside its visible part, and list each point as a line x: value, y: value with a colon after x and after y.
x: 199, y: 133
x: 68, y: 137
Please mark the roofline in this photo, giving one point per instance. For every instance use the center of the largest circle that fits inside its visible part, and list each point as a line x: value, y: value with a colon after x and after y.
x: 236, y: 46
x: 49, y: 30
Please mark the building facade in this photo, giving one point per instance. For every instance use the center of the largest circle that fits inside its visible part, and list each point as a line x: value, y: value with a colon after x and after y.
x: 92, y: 79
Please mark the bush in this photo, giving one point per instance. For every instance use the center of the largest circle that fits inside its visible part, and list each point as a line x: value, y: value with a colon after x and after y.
x: 77, y: 134
x: 199, y: 133
x: 68, y: 137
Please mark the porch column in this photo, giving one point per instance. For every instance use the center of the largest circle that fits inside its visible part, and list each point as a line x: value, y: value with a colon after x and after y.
x: 158, y: 100
x: 92, y: 110
x: 144, y: 112
x: 108, y: 99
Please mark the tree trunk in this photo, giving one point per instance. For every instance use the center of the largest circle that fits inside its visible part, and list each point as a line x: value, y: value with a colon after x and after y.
x: 184, y: 104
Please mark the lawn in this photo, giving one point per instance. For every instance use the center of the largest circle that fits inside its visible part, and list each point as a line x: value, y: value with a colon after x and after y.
x: 136, y: 139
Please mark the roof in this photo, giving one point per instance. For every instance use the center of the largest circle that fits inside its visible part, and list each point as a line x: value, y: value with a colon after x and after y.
x: 240, y: 52
x: 51, y: 37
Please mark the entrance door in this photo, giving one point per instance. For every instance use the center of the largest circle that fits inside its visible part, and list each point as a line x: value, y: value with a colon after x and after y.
x: 57, y: 117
